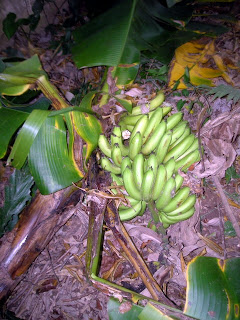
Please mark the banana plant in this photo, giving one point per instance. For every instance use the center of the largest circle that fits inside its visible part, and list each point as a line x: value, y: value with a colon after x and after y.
x: 45, y: 138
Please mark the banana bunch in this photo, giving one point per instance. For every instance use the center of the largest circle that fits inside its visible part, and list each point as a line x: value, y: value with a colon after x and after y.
x: 147, y: 168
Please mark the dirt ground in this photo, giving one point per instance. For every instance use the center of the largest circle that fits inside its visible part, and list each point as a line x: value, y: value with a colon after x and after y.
x: 56, y: 287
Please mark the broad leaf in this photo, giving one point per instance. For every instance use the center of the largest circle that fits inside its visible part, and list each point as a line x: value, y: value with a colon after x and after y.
x: 10, y: 26
x: 17, y: 194
x: 194, y: 56
x: 50, y: 162
x: 42, y: 104
x: 26, y: 137
x: 11, y: 120
x: 213, y: 288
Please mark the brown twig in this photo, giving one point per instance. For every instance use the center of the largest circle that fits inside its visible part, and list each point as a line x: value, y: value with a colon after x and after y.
x: 227, y: 208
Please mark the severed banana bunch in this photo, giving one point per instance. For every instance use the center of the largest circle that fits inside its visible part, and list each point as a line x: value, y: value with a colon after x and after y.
x: 148, y: 166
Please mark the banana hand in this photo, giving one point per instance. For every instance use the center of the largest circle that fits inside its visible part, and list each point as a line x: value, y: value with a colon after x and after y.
x: 166, y: 194
x: 129, y: 184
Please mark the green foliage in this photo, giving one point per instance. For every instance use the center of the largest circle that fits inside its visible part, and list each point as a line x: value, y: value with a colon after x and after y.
x: 227, y: 91
x: 17, y: 194
x: 231, y: 174
x: 229, y: 231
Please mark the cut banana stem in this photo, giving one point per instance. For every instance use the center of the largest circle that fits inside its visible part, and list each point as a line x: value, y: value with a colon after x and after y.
x: 173, y: 120
x: 177, y: 200
x: 138, y: 169
x: 130, y: 185
x: 109, y: 166
x: 180, y: 148
x: 166, y: 194
x: 154, y: 121
x: 184, y: 207
x: 170, y: 166
x: 162, y: 148
x: 155, y: 138
x: 161, y: 178
x: 147, y: 185
x: 104, y: 145
x: 135, y: 145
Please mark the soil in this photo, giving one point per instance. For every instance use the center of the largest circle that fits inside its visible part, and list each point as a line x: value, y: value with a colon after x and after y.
x: 56, y: 285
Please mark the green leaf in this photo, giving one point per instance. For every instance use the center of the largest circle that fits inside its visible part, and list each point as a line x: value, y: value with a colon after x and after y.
x: 213, y: 288
x: 26, y: 137
x: 9, y: 25
x: 17, y: 194
x: 227, y: 91
x: 50, y: 161
x: 231, y: 174
x: 114, y: 314
x: 41, y: 104
x: 180, y: 104
x: 229, y: 230
x: 127, y: 104
x: 151, y: 312
x: 11, y: 120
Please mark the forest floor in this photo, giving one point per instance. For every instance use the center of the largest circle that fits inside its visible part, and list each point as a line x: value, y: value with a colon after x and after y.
x: 55, y: 286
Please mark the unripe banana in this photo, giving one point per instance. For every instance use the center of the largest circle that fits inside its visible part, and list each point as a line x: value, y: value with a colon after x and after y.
x: 151, y: 162
x: 184, y: 207
x: 130, y: 185
x: 147, y: 184
x: 130, y: 119
x: 177, y: 200
x: 170, y: 166
x: 144, y: 205
x: 140, y: 126
x: 130, y: 213
x: 157, y: 101
x: 117, y: 179
x: 173, y: 120
x: 126, y: 162
x: 104, y: 145
x: 109, y: 166
x: 135, y: 145
x: 166, y: 194
x: 116, y: 137
x: 187, y: 161
x: 154, y: 121
x: 138, y: 169
x: 162, y: 148
x: 116, y: 155
x: 172, y: 220
x: 179, y: 180
x: 180, y: 148
x: 154, y: 140
x: 131, y: 203
x: 178, y: 131
x: 183, y: 136
x: 161, y: 178
x: 192, y: 148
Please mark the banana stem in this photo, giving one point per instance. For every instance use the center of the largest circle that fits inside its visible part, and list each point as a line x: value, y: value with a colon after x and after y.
x: 155, y: 217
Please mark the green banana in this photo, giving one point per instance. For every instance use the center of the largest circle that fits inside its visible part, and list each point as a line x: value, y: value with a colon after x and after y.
x: 192, y: 148
x: 140, y: 126
x: 151, y: 162
x: 180, y: 148
x: 154, y: 121
x: 116, y: 155
x: 138, y: 169
x: 147, y: 184
x: 135, y: 145
x: 166, y: 194
x: 161, y: 178
x: 130, y: 213
x: 109, y: 166
x: 166, y: 109
x: 162, y: 148
x: 177, y: 200
x: 187, y: 161
x: 173, y: 120
x: 154, y: 140
x: 170, y: 166
x: 172, y: 220
x: 131, y: 202
x: 117, y: 179
x: 157, y: 101
x: 116, y: 137
x: 178, y: 131
x: 104, y: 145
x: 130, y: 185
x: 144, y: 205
x: 183, y: 136
x: 178, y: 179
x: 184, y: 207
x: 126, y: 162
x: 130, y: 119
